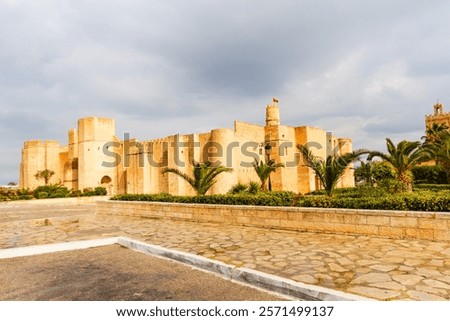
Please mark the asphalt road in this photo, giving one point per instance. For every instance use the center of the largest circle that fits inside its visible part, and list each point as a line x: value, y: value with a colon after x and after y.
x: 114, y: 273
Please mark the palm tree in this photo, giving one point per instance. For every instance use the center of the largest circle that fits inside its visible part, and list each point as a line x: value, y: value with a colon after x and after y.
x: 364, y: 174
x: 434, y: 133
x: 440, y: 151
x: 263, y: 170
x: 372, y: 173
x: 45, y: 174
x: 403, y: 158
x: 330, y: 170
x: 204, y: 175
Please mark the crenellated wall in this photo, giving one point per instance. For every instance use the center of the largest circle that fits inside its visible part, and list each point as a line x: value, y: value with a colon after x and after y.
x: 95, y: 157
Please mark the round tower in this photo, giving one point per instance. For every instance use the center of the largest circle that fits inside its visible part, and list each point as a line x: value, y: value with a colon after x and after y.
x: 273, y: 113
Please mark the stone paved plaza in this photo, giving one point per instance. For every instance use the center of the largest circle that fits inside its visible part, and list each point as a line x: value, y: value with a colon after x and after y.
x: 377, y: 268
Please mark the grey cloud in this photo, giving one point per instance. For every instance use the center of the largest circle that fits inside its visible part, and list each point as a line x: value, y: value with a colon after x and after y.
x: 162, y: 67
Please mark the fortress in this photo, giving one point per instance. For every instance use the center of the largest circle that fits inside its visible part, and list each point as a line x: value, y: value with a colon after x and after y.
x: 438, y: 117
x: 95, y: 157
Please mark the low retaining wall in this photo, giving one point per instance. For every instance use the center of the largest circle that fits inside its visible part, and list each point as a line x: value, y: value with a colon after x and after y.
x: 392, y: 224
x: 57, y: 201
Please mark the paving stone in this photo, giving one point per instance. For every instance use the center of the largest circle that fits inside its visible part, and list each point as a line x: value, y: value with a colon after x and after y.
x: 423, y: 296
x: 375, y: 293
x: 337, y: 268
x: 406, y: 268
x: 407, y: 280
x: 437, y: 284
x: 428, y: 272
x: 329, y: 260
x: 389, y: 285
x: 413, y: 262
x: 305, y: 279
x: 372, y: 278
x: 345, y: 261
x: 428, y: 289
x: 249, y: 265
x: 281, y: 264
x: 362, y: 270
x: 445, y: 279
x: 396, y: 260
x: 438, y: 263
x: 366, y: 262
x: 341, y: 282
x: 383, y: 268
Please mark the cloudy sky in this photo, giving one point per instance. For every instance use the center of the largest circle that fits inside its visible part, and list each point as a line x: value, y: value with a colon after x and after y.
x: 361, y: 69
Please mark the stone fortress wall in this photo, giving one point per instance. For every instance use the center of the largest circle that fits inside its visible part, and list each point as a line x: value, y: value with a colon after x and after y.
x: 94, y: 157
x: 438, y: 116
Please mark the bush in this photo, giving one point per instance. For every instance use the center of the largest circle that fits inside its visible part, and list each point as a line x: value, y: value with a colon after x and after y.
x: 429, y: 175
x: 262, y: 199
x: 254, y: 188
x: 76, y: 193
x: 41, y: 195
x: 250, y: 188
x: 392, y: 186
x: 98, y: 191
x: 432, y: 187
x: 51, y: 191
x: 237, y: 188
x: 420, y: 201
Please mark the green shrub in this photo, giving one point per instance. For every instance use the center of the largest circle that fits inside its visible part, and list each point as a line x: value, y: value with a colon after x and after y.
x: 76, y: 193
x: 432, y: 187
x: 254, y: 188
x: 423, y: 201
x: 51, y: 191
x: 429, y: 175
x: 251, y: 188
x: 99, y: 190
x: 262, y: 199
x: 392, y: 186
x: 238, y: 188
x: 41, y: 195
x: 25, y: 197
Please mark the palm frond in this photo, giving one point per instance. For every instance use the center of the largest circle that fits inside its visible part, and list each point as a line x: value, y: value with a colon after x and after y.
x: 203, y: 176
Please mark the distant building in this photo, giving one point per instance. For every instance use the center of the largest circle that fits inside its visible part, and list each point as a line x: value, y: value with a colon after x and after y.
x: 438, y: 117
x: 94, y: 157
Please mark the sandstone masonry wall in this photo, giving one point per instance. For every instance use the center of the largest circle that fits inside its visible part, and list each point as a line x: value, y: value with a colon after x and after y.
x: 391, y: 224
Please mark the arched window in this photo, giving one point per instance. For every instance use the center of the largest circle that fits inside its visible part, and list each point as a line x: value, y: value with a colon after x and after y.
x: 106, y: 180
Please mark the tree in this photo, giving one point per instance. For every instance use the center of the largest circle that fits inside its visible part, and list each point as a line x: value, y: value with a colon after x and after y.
x: 433, y: 133
x: 403, y: 157
x: 364, y: 174
x: 440, y: 151
x: 203, y: 176
x: 46, y: 174
x: 263, y: 170
x: 372, y: 173
x: 12, y: 184
x: 330, y: 170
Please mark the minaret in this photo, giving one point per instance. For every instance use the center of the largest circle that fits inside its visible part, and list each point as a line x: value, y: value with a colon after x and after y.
x: 438, y: 117
x: 438, y: 109
x: 273, y: 134
x: 273, y: 113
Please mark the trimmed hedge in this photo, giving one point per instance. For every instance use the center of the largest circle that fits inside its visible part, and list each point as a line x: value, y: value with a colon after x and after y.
x: 432, y: 187
x: 427, y: 174
x: 428, y: 202
x: 262, y: 199
x: 419, y: 201
x: 48, y: 191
